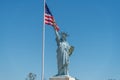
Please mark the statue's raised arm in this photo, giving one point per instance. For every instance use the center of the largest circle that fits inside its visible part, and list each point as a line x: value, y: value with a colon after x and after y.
x: 57, y: 37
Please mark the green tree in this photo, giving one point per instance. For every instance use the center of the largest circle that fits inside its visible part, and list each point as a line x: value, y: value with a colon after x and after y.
x: 31, y: 76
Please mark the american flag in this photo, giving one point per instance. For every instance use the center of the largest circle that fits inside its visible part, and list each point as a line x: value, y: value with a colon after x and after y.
x: 49, y: 19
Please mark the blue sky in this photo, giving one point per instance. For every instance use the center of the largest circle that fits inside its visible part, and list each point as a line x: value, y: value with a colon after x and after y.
x: 93, y: 26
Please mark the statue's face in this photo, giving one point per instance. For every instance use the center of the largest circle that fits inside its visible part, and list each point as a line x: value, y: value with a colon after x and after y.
x: 64, y: 37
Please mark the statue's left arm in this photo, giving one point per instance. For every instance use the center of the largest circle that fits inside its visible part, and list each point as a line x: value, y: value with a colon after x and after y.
x: 71, y: 49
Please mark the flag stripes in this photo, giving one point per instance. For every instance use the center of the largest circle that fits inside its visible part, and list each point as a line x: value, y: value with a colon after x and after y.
x: 49, y: 19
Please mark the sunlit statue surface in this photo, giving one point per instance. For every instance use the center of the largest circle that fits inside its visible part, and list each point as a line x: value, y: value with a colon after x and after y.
x: 64, y: 51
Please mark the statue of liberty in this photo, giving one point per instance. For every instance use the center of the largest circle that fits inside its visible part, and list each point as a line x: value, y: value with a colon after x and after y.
x: 64, y: 51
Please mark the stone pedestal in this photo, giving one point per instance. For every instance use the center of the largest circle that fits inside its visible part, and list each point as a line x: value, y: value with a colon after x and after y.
x: 62, y: 78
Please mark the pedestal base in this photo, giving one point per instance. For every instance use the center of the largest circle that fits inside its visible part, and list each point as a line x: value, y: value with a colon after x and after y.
x: 62, y: 78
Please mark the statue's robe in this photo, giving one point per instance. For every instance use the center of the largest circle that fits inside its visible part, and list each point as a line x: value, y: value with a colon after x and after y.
x: 63, y: 57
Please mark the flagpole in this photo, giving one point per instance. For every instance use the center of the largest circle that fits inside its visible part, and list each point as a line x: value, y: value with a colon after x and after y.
x: 43, y: 42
